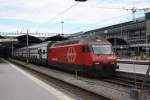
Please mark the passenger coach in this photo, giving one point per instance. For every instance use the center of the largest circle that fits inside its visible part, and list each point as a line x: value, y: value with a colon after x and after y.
x: 37, y: 53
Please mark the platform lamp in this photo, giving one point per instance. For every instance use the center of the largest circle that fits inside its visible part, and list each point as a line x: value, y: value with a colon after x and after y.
x: 12, y: 49
x: 27, y: 46
x: 62, y: 22
x: 76, y: 71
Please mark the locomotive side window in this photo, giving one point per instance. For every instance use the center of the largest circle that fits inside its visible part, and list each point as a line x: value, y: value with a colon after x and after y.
x: 86, y: 49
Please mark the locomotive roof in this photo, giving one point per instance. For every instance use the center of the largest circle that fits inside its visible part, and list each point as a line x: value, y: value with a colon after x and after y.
x: 82, y: 39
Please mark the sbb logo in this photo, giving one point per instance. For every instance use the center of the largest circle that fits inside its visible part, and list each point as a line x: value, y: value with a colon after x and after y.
x: 71, y: 54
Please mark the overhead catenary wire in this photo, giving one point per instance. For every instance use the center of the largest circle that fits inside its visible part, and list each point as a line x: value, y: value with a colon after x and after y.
x: 132, y: 9
x: 104, y: 7
x: 72, y: 6
x: 63, y: 12
x: 108, y: 19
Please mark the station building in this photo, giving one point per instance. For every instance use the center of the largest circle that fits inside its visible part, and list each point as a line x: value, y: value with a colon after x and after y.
x: 129, y: 38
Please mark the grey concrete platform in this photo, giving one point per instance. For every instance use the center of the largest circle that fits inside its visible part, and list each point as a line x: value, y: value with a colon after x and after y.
x: 133, y: 68
x: 108, y: 90
x: 133, y: 61
x: 15, y: 85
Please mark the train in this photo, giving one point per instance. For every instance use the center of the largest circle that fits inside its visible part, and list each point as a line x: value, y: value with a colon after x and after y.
x: 91, y: 56
x: 4, y: 52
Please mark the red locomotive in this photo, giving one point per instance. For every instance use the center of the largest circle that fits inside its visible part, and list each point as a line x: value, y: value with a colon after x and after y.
x: 86, y: 55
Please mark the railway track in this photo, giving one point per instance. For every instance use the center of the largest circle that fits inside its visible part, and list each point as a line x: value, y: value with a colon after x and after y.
x: 71, y: 90
x: 129, y: 79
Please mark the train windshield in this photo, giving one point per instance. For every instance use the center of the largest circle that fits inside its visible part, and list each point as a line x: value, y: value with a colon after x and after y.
x: 102, y: 49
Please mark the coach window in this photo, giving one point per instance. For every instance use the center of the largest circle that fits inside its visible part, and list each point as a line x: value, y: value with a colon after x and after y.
x: 39, y: 51
x: 43, y: 51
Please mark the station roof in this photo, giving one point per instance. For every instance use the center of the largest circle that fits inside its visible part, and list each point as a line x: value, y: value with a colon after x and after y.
x: 32, y: 39
x: 22, y: 40
x: 5, y: 41
x: 1, y: 37
x: 56, y: 38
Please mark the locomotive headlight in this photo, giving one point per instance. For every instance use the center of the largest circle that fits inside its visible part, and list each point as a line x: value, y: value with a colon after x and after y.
x: 96, y: 63
x: 113, y: 62
x: 111, y: 57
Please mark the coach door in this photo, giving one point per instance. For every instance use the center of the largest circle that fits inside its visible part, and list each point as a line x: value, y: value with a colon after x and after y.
x: 40, y: 53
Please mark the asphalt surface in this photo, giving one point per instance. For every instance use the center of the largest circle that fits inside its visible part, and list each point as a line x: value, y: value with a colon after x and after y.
x: 14, y: 85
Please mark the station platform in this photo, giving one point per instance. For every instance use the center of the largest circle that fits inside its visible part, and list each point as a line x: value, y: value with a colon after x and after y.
x: 133, y: 68
x: 133, y: 65
x: 134, y: 61
x: 16, y: 84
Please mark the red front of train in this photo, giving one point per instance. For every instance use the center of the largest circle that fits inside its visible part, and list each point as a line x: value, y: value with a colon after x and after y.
x: 95, y: 58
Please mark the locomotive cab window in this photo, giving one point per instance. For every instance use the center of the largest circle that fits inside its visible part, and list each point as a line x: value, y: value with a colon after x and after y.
x: 102, y: 49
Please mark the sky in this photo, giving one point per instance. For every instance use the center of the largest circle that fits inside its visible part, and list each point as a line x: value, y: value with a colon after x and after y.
x: 39, y: 16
